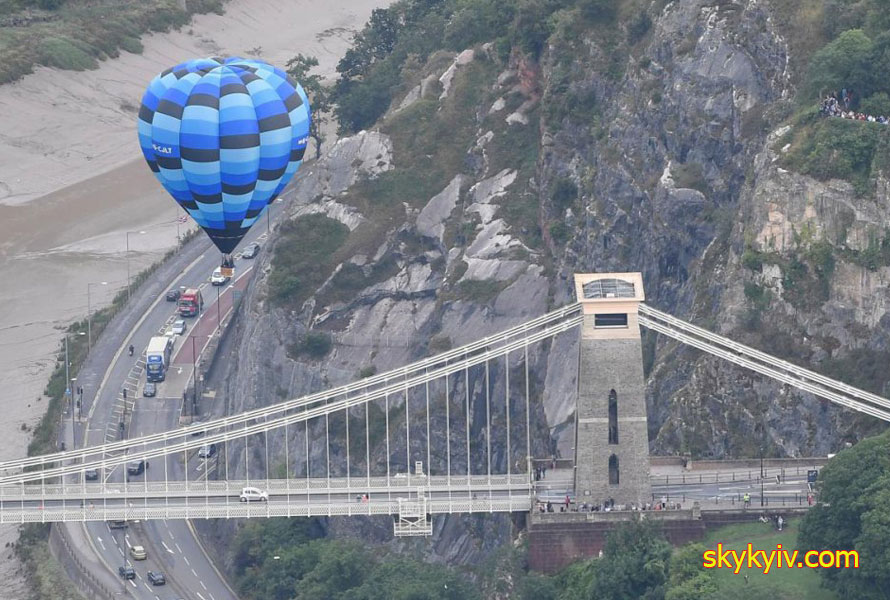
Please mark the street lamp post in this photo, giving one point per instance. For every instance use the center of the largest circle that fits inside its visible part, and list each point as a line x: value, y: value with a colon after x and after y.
x: 761, y: 476
x: 128, y: 261
x: 73, y: 431
x: 90, y: 315
x: 194, y: 378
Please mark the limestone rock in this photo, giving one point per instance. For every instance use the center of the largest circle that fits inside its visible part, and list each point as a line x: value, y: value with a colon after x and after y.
x: 431, y: 221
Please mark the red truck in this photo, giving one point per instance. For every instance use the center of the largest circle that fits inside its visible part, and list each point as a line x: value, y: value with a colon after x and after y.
x: 191, y: 303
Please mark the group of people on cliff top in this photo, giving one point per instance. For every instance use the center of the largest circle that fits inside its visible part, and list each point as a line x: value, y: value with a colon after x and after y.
x: 838, y: 105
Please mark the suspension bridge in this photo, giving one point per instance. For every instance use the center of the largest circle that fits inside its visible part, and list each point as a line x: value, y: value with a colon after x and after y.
x: 448, y: 434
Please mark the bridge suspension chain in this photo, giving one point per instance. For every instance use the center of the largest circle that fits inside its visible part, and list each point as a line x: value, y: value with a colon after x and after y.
x: 757, y: 361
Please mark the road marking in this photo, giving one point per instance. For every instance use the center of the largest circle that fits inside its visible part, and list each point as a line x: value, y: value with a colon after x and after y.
x: 167, y: 548
x: 195, y: 574
x: 200, y: 596
x: 98, y: 539
x: 127, y: 539
x: 177, y: 547
x: 185, y: 558
x: 133, y: 583
x: 121, y: 551
x: 202, y: 585
x: 146, y: 586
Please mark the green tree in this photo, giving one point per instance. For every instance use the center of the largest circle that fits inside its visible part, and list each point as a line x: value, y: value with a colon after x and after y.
x: 339, y: 568
x: 576, y: 581
x: 878, y: 17
x: 689, y: 580
x: 634, y: 565
x: 853, y: 513
x: 371, y: 45
x: 537, y: 587
x: 361, y: 102
x: 299, y: 68
x: 844, y: 63
x: 876, y: 104
x: 404, y: 579
x: 531, y: 26
x: 478, y: 21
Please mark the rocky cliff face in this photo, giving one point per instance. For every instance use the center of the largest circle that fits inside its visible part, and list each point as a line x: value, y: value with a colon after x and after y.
x: 645, y: 147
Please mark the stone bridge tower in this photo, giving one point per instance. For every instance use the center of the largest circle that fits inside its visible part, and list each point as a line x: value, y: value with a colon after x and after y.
x: 611, y: 436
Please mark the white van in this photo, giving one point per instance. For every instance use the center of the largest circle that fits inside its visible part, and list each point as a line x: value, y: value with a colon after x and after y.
x: 218, y: 278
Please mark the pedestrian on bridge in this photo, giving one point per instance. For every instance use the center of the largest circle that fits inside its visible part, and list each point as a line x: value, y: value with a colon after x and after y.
x: 747, y: 499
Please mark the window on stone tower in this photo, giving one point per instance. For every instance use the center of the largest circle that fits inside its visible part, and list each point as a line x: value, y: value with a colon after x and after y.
x: 613, y: 417
x: 609, y: 321
x: 613, y: 470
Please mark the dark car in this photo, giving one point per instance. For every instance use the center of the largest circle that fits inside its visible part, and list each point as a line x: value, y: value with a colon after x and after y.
x: 250, y: 250
x: 156, y: 578
x: 127, y: 572
x: 117, y: 524
x: 173, y: 295
x: 91, y: 475
x: 149, y: 389
x: 136, y: 467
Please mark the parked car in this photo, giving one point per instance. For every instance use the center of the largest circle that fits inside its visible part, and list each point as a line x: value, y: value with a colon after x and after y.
x: 218, y: 278
x: 138, y: 553
x: 207, y: 451
x: 91, y: 475
x: 156, y: 578
x: 149, y: 389
x: 127, y: 572
x: 136, y: 467
x: 173, y: 295
x: 252, y: 494
x: 179, y: 327
x: 250, y: 250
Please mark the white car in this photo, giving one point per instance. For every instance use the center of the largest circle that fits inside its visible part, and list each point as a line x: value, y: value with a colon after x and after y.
x: 252, y: 494
x: 218, y: 278
x: 178, y: 327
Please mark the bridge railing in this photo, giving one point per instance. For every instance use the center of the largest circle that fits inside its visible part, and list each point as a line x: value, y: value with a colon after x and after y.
x: 283, y: 508
x: 730, y: 477
x: 160, y: 489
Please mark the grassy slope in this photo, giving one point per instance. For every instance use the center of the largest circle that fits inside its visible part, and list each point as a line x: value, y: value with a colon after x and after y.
x: 80, y: 33
x: 778, y: 584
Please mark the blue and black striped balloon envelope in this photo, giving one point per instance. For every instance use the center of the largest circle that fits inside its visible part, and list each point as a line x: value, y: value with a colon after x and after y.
x: 224, y: 136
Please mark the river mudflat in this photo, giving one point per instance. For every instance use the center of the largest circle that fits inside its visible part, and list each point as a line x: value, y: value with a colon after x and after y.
x: 73, y: 183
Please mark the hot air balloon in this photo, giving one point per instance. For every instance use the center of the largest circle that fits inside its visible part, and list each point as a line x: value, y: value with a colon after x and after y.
x: 224, y: 137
